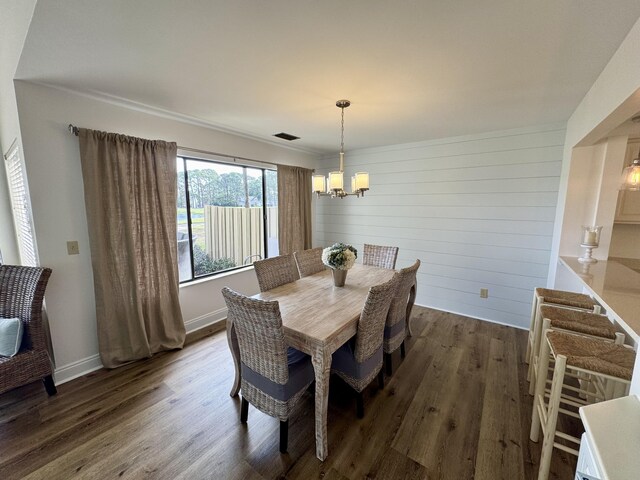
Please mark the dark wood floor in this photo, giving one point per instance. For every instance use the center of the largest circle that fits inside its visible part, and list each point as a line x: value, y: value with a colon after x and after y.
x: 455, y: 408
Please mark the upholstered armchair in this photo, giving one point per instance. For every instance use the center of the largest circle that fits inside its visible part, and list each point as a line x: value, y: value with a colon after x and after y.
x: 21, y: 296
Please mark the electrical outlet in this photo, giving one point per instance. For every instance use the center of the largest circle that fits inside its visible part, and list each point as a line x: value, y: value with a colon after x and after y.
x: 484, y: 293
x: 73, y: 248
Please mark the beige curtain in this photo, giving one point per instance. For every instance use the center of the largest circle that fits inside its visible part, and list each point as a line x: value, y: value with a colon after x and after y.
x: 130, y: 197
x: 294, y: 209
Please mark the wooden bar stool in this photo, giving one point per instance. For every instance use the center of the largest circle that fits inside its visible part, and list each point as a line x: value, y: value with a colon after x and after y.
x: 608, y: 367
x: 572, y: 321
x: 560, y: 298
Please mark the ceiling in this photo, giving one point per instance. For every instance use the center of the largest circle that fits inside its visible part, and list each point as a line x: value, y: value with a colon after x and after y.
x: 413, y: 70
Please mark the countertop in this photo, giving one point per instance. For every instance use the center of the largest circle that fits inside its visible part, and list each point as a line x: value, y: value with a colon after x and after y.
x: 613, y: 429
x: 616, y: 287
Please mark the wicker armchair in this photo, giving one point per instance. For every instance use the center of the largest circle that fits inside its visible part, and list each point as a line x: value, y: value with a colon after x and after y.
x: 309, y: 261
x: 274, y: 377
x: 380, y: 256
x: 395, y: 331
x: 276, y: 271
x: 21, y: 295
x: 359, y: 360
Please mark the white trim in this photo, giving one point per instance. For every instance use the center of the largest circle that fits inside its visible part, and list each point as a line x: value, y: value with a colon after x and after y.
x: 474, y: 317
x: 217, y: 276
x: 77, y: 369
x: 206, y: 320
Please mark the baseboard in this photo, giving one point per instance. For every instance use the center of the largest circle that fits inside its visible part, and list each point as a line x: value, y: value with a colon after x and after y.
x: 77, y: 369
x: 90, y: 364
x: 205, y: 320
x: 474, y: 317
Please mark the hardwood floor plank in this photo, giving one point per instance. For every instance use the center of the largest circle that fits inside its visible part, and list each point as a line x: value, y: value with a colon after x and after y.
x: 499, y: 448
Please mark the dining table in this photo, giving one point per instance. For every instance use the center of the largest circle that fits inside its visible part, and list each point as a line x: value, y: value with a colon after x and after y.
x: 318, y: 318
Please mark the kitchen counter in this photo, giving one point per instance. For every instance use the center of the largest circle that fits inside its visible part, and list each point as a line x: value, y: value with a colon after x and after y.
x: 613, y: 430
x: 617, y: 289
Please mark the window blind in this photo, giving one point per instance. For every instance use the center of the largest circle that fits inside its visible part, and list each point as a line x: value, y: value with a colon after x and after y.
x: 21, y: 205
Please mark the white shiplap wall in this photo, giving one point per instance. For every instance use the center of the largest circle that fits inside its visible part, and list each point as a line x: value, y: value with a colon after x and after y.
x: 478, y: 212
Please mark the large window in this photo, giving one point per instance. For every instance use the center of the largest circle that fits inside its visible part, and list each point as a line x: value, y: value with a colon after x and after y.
x: 227, y: 216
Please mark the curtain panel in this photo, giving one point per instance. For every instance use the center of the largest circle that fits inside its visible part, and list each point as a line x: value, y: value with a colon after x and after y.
x: 294, y: 209
x: 130, y: 197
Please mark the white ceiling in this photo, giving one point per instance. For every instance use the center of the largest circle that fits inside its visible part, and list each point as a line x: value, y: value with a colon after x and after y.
x: 414, y: 70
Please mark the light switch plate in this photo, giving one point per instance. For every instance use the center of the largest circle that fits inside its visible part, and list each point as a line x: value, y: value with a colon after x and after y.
x: 484, y: 293
x: 73, y: 248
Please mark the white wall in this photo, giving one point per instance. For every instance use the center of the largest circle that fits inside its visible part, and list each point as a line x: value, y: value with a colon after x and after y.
x: 625, y: 241
x: 477, y: 211
x: 14, y: 23
x: 591, y: 195
x: 53, y: 169
x: 612, y: 100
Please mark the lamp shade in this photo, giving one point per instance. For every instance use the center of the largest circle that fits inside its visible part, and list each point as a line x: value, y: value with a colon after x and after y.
x: 318, y: 183
x: 631, y: 176
x: 353, y: 185
x: 336, y: 181
x: 362, y: 181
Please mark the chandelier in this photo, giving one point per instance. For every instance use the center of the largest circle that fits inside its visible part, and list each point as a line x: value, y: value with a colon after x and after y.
x: 631, y: 176
x: 333, y: 186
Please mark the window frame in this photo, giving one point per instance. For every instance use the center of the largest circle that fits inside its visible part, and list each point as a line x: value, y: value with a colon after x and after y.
x: 220, y: 160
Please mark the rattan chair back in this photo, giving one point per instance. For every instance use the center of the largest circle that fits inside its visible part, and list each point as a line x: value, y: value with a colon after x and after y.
x: 276, y: 271
x: 309, y: 261
x: 398, y: 308
x: 372, y: 319
x: 379, y: 256
x: 258, y: 327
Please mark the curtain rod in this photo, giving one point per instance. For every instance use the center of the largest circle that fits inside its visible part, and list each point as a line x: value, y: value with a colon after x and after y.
x: 75, y: 130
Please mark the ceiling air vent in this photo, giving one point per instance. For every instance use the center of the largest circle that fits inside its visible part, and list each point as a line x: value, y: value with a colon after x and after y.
x: 285, y: 136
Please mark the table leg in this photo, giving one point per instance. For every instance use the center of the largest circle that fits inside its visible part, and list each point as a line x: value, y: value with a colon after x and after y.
x: 412, y: 299
x: 322, y: 366
x: 232, y: 340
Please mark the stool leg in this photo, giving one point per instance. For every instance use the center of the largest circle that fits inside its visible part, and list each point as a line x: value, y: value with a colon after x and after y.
x: 534, y: 307
x: 536, y: 354
x: 538, y: 398
x: 535, y: 349
x: 552, y: 417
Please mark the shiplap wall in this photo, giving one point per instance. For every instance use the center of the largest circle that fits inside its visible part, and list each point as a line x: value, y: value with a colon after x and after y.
x: 478, y: 212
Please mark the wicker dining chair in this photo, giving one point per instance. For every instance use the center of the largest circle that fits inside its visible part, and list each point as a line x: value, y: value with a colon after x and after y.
x: 274, y: 377
x: 21, y: 296
x: 276, y: 271
x: 359, y: 360
x: 309, y: 261
x: 379, y: 256
x: 395, y: 330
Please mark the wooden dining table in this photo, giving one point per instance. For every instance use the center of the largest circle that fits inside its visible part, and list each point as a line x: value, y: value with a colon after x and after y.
x: 317, y: 319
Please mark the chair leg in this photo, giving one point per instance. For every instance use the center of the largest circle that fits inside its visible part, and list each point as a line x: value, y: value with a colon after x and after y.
x: 381, y: 379
x: 244, y: 410
x: 49, y: 386
x: 402, y: 352
x: 284, y: 435
x: 387, y: 363
x: 359, y: 405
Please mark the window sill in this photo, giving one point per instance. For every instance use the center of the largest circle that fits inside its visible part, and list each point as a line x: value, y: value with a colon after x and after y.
x: 216, y: 277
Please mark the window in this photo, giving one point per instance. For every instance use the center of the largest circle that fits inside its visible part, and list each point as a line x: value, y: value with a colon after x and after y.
x: 222, y: 219
x: 19, y: 193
